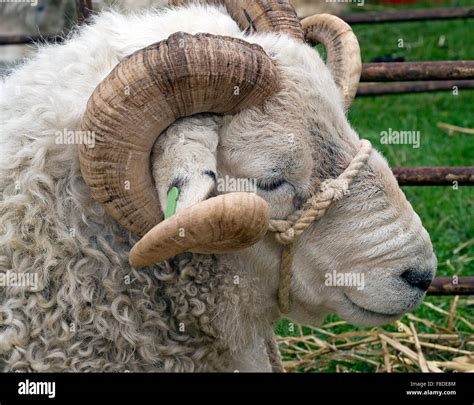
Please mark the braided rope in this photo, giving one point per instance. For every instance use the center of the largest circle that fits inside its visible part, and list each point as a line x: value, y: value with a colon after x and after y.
x: 273, y: 354
x: 289, y: 230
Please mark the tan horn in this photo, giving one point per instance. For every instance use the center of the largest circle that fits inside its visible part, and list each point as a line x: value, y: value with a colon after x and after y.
x: 222, y: 224
x: 343, y: 51
x: 146, y: 93
x: 259, y: 15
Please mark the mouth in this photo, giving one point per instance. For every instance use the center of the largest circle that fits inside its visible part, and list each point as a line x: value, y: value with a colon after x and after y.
x: 369, y: 312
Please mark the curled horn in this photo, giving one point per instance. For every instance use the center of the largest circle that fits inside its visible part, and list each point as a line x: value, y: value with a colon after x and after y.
x: 144, y: 94
x: 343, y: 51
x: 260, y: 15
x: 221, y: 224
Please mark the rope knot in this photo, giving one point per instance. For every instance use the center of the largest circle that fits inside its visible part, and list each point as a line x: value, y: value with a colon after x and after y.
x: 339, y: 186
x: 287, y: 237
x: 283, y: 229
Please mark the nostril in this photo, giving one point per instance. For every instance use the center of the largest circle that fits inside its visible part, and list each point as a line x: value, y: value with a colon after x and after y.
x: 418, y: 278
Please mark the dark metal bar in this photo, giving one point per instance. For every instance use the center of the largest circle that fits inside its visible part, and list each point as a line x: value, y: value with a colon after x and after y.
x: 445, y: 286
x: 377, y: 89
x: 84, y: 10
x: 434, y: 176
x: 409, y: 15
x: 413, y: 71
x: 28, y: 39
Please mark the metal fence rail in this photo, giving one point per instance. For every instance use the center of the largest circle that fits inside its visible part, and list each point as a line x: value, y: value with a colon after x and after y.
x: 452, y: 286
x: 409, y: 15
x: 83, y: 9
x: 379, y: 89
x: 435, y: 176
x: 30, y: 39
x: 412, y: 71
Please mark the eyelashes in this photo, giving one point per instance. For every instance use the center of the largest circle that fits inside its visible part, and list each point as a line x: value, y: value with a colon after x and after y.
x: 270, y: 184
x: 210, y: 174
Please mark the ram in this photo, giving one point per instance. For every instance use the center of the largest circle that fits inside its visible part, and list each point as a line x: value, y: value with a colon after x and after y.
x: 167, y: 107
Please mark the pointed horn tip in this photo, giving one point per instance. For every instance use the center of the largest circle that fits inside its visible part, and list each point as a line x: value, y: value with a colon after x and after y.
x: 222, y: 224
x: 329, y: 18
x: 341, y: 44
x: 260, y: 15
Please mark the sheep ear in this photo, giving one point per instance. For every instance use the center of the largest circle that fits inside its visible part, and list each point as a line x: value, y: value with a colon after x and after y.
x: 185, y: 157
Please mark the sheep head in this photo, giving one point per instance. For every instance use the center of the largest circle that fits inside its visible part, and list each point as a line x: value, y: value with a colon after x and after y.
x: 274, y: 113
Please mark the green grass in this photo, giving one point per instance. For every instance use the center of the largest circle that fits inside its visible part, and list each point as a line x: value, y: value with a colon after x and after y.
x: 447, y: 213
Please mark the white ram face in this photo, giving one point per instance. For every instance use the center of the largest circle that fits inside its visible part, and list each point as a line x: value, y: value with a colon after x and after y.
x: 369, y: 259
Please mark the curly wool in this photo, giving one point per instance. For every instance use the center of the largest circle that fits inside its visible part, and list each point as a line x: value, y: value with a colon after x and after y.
x: 91, y: 311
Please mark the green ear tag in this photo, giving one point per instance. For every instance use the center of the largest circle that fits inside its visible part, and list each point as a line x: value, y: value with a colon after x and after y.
x: 173, y: 196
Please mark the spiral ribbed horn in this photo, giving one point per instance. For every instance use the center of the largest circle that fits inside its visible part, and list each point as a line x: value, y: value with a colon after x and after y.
x: 146, y: 93
x: 343, y: 51
x: 259, y: 15
x: 221, y: 224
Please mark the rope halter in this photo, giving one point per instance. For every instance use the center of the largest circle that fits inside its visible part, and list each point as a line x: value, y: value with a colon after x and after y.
x: 288, y: 231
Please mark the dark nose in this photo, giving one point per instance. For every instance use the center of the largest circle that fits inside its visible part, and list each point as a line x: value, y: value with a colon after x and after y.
x: 418, y: 278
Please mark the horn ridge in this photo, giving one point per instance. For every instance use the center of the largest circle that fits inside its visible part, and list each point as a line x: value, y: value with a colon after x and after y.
x: 222, y: 224
x: 259, y: 15
x: 343, y: 51
x: 144, y: 94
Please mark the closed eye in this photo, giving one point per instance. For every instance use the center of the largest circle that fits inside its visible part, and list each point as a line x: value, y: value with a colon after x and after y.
x: 270, y: 184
